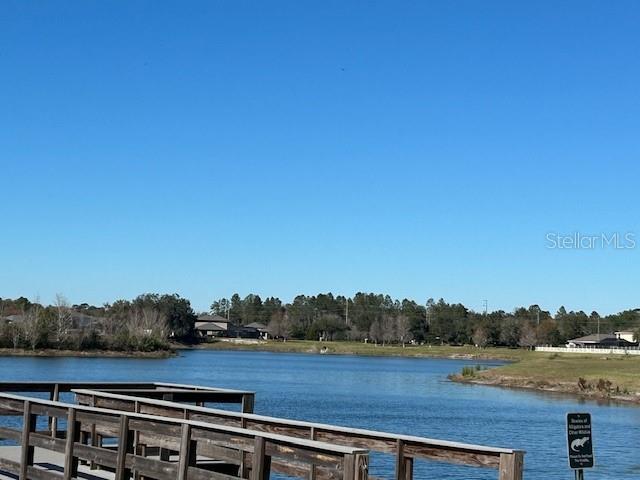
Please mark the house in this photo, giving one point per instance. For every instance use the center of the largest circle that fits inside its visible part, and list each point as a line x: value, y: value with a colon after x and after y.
x: 212, y: 326
x: 600, y: 340
x: 626, y: 335
x: 263, y: 330
x: 238, y: 331
x: 210, y: 329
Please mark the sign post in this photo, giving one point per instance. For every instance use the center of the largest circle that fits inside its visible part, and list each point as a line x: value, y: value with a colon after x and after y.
x: 579, y: 443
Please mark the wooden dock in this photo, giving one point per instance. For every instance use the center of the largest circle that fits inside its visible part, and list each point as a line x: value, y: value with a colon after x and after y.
x: 163, y: 431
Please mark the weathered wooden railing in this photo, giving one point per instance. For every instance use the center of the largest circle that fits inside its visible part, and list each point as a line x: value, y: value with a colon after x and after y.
x: 201, y: 446
x: 508, y: 462
x: 175, y: 392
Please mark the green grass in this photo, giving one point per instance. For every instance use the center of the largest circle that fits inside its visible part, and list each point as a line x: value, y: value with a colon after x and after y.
x: 623, y: 372
x: 359, y: 348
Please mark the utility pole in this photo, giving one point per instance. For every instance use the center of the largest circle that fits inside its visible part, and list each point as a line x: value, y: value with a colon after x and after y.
x: 486, y: 305
x: 346, y: 315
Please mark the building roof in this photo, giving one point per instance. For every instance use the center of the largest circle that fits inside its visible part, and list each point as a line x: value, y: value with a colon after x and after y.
x: 212, y: 318
x: 210, y: 327
x: 594, y: 338
x: 256, y: 325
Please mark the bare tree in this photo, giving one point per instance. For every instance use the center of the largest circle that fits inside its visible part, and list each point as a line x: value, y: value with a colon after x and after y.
x: 376, y: 332
x: 32, y: 325
x: 279, y: 326
x: 388, y: 328
x: 479, y: 337
x: 528, y: 337
x: 147, y: 322
x: 403, y: 329
x: 16, y: 332
x: 63, y: 319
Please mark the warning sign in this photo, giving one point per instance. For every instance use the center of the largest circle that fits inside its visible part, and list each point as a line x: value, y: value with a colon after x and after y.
x: 579, y: 440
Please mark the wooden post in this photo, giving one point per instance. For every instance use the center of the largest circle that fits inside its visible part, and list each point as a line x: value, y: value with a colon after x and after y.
x: 188, y: 452
x: 53, y: 421
x: 125, y: 445
x: 243, y: 471
x: 248, y: 400
x: 261, y: 465
x: 349, y: 467
x: 404, y: 465
x: 165, y: 454
x: 93, y: 436
x: 362, y: 466
x: 73, y: 435
x: 312, y: 468
x: 511, y: 465
x: 26, y: 454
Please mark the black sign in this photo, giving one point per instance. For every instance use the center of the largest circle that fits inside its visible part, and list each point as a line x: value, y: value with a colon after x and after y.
x: 579, y: 440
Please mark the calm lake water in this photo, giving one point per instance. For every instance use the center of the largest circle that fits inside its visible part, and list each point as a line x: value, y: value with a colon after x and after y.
x: 401, y: 395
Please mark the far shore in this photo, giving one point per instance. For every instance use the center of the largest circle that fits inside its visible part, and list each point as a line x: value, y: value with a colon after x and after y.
x: 23, y: 352
x: 598, y: 377
x: 367, y: 349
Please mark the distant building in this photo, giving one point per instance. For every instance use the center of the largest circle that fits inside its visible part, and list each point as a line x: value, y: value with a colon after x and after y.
x: 212, y: 326
x: 625, y: 335
x: 263, y: 330
x: 601, y: 340
x: 237, y: 331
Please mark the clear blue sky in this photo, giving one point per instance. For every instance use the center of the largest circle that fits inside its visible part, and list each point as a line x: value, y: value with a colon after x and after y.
x: 420, y: 149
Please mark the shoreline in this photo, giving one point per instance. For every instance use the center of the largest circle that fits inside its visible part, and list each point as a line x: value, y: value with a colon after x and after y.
x: 601, y: 379
x: 565, y: 389
x: 604, y: 379
x: 21, y: 352
x: 361, y: 349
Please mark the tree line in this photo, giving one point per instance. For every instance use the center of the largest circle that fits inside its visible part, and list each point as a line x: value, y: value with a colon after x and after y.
x: 143, y: 324
x: 150, y: 321
x: 381, y: 319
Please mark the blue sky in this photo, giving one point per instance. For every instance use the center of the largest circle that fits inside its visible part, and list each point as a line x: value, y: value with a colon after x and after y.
x: 420, y: 149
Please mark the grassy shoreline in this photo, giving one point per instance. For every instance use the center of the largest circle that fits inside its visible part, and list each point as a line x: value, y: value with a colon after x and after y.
x: 369, y: 349
x: 21, y: 352
x: 598, y: 377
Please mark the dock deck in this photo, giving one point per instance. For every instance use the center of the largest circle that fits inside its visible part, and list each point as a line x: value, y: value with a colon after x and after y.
x: 165, y: 432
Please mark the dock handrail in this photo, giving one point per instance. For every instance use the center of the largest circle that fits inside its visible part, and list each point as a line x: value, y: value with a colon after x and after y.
x: 166, y: 391
x: 508, y: 462
x: 256, y: 451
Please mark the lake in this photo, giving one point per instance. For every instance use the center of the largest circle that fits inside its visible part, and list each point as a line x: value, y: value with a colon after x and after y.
x: 404, y: 395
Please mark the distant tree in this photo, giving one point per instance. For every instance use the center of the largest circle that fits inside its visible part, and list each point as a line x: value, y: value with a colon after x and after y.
x: 221, y: 307
x: 388, y: 325
x: 510, y: 332
x: 235, y: 312
x: 403, y: 329
x: 32, y: 326
x: 376, y: 332
x: 62, y: 320
x: 548, y: 333
x: 528, y: 336
x: 280, y: 326
x: 179, y: 316
x: 479, y: 337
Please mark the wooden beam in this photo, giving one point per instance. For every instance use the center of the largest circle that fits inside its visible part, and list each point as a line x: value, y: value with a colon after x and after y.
x: 73, y: 436
x: 188, y: 453
x: 511, y: 466
x: 124, y: 445
x: 260, y: 463
x: 248, y: 400
x: 26, y: 454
